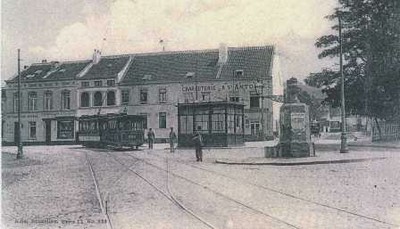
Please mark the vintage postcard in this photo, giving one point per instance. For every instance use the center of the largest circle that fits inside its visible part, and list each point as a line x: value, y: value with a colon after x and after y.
x: 228, y: 114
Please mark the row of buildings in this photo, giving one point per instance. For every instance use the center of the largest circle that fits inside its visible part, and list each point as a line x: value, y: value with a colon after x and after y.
x: 55, y: 94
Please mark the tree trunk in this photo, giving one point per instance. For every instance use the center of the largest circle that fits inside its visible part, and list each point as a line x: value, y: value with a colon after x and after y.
x: 379, y: 128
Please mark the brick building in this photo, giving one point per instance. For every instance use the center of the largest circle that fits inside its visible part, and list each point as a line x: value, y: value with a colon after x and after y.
x: 150, y: 84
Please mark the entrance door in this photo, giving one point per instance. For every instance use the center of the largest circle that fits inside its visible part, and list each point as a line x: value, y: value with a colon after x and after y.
x: 48, y: 131
x: 16, y: 130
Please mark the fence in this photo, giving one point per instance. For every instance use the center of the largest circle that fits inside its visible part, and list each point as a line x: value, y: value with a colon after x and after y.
x: 390, y: 131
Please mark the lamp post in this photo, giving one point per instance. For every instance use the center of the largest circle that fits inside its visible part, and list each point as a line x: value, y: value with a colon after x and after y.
x: 19, y: 143
x: 343, y: 137
x: 260, y: 86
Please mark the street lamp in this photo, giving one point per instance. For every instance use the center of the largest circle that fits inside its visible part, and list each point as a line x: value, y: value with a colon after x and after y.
x: 260, y: 91
x: 19, y: 143
x: 343, y: 137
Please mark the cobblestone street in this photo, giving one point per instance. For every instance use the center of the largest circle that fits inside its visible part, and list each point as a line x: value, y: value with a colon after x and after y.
x: 156, y: 189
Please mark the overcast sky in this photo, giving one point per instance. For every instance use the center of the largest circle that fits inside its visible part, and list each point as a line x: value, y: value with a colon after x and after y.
x: 71, y: 29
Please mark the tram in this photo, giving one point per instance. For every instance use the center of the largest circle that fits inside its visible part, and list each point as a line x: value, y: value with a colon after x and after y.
x: 111, y: 130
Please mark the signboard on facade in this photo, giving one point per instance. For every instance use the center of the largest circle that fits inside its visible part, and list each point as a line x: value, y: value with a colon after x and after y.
x: 222, y: 87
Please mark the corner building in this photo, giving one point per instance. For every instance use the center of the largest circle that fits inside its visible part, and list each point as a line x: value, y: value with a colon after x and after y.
x: 152, y: 85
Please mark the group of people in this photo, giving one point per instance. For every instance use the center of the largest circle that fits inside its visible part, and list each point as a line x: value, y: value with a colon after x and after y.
x: 197, y: 141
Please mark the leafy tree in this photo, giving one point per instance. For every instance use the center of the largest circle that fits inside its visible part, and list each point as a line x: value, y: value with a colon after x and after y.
x: 371, y: 52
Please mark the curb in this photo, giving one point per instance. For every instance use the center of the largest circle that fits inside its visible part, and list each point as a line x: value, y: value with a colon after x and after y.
x: 374, y: 146
x: 300, y: 163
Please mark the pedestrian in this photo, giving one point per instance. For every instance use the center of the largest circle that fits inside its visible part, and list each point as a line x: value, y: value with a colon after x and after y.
x: 150, y: 137
x: 198, y: 144
x: 172, y: 139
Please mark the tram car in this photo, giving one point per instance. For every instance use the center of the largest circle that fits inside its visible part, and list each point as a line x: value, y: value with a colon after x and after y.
x: 111, y: 130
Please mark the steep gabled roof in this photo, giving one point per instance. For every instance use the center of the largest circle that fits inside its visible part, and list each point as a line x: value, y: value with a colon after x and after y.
x: 51, y: 71
x: 108, y: 67
x: 256, y: 62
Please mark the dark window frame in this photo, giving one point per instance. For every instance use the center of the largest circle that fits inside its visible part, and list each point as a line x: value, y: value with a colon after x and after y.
x: 162, y: 120
x: 125, y: 96
x: 144, y: 96
x: 110, y: 83
x: 111, y: 101
x: 85, y: 103
x: 96, y: 101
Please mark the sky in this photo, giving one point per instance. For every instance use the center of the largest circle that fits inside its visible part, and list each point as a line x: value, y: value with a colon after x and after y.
x: 71, y: 29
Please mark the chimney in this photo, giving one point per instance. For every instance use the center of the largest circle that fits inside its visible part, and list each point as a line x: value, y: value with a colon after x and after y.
x: 26, y: 66
x: 223, y: 54
x: 44, y: 61
x: 96, y: 56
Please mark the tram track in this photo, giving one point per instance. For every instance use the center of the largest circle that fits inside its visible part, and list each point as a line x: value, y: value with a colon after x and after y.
x: 254, y: 210
x: 168, y: 195
x: 98, y: 193
x: 267, y: 189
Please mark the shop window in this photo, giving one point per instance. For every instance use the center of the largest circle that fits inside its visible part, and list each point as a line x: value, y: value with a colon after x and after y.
x: 48, y: 100
x: 162, y: 120
x: 143, y: 96
x: 186, y: 124
x: 85, y: 99
x: 111, y: 83
x: 66, y: 99
x: 98, y: 99
x: 162, y: 95
x: 32, y: 130
x: 125, y: 96
x: 201, y: 121
x: 65, y: 129
x: 110, y: 98
x: 32, y: 101
x: 218, y: 123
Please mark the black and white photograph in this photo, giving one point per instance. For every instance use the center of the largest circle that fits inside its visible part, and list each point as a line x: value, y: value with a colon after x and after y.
x: 203, y: 114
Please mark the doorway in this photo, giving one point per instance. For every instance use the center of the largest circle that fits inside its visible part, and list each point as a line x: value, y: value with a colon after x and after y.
x: 48, y: 131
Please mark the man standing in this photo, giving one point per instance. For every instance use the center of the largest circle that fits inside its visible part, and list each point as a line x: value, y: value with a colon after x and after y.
x: 150, y: 137
x: 198, y: 144
x: 172, y: 139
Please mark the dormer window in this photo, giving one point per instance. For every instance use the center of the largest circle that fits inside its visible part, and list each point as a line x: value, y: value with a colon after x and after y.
x: 189, y: 75
x: 239, y: 73
x: 147, y: 77
x: 30, y: 76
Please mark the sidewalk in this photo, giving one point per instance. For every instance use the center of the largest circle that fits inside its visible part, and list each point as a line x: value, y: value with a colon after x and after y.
x: 327, y: 152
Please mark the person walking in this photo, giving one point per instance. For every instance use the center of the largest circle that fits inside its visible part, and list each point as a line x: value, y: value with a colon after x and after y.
x: 172, y: 139
x: 198, y: 144
x: 150, y: 137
